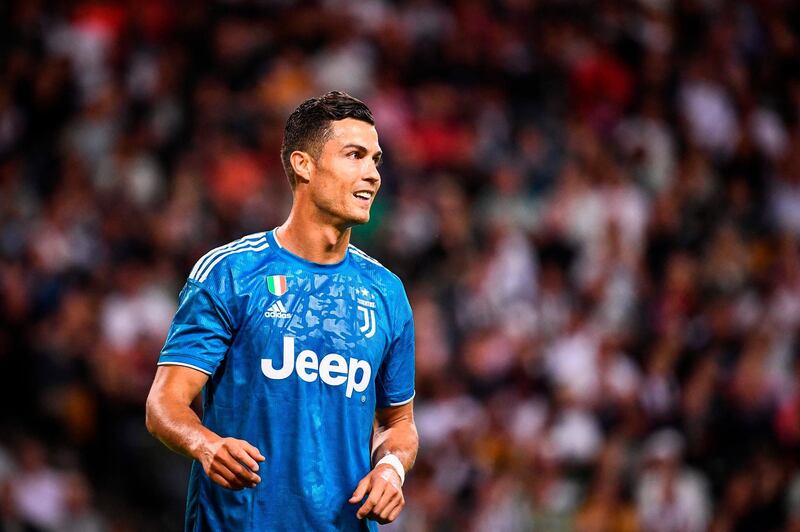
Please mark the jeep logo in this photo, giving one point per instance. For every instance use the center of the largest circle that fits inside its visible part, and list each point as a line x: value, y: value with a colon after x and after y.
x: 333, y: 369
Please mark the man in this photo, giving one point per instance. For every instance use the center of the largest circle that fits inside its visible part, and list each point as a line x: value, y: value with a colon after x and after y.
x: 299, y: 342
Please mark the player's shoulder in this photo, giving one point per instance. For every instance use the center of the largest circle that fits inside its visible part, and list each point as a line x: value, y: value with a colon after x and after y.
x: 237, y: 254
x: 371, y: 267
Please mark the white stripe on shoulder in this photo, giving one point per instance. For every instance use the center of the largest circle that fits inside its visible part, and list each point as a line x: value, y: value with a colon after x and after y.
x: 184, y: 365
x: 208, y: 257
x: 364, y: 255
x: 202, y: 273
x: 207, y: 270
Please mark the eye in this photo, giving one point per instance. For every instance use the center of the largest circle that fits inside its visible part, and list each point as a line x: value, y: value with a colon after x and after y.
x: 378, y: 161
x: 353, y: 155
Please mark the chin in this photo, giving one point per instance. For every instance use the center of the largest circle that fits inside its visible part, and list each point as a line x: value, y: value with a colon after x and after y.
x: 352, y: 219
x: 360, y: 215
x: 361, y: 220
x: 358, y: 219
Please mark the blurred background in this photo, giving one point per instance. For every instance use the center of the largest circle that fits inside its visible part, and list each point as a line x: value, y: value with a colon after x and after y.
x: 595, y: 207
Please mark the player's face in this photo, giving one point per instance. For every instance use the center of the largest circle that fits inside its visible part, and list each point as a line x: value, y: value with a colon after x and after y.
x: 346, y: 178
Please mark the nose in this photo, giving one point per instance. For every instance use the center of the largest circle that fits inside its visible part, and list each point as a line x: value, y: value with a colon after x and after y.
x: 373, y: 177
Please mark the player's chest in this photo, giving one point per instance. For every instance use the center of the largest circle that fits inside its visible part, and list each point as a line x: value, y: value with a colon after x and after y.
x: 324, y: 313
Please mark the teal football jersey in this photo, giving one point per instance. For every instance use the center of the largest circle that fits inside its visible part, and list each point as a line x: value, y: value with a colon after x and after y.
x: 299, y: 355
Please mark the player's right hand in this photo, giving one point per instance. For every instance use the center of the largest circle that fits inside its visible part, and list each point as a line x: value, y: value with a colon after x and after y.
x: 231, y: 463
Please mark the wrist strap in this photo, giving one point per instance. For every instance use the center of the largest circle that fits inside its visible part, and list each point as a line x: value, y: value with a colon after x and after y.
x: 394, y: 461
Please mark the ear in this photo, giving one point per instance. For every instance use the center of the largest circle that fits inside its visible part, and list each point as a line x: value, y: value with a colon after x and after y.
x: 302, y: 164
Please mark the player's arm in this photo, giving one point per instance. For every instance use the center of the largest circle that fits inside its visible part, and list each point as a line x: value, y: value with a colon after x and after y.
x: 394, y: 444
x: 229, y: 462
x: 396, y: 433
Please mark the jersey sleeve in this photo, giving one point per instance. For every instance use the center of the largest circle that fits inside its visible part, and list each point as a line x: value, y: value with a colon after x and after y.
x: 201, y: 331
x: 395, y: 380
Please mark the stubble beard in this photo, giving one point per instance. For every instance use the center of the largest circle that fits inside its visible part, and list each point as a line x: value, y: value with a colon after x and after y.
x: 340, y: 214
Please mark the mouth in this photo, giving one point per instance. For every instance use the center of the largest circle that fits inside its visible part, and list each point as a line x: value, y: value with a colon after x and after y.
x: 364, y: 195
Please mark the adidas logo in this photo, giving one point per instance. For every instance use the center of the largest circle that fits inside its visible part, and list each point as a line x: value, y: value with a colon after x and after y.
x: 277, y: 310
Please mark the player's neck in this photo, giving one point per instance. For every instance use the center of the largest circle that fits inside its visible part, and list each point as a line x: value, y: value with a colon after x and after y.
x: 320, y: 243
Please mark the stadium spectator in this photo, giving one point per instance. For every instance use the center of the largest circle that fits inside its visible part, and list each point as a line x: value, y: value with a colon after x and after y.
x: 595, y: 207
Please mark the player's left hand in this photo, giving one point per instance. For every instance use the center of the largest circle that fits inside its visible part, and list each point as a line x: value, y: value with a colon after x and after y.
x: 385, y: 500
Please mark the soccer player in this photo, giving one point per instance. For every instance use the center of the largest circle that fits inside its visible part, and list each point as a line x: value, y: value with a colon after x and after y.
x: 303, y: 347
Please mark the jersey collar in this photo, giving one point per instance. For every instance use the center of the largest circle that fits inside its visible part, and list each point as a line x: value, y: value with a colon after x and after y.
x: 283, y: 252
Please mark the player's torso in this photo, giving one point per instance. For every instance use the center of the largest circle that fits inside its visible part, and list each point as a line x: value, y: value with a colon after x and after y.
x: 313, y: 336
x: 298, y: 381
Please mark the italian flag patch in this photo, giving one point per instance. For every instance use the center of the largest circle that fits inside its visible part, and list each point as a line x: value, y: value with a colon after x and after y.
x: 276, y: 284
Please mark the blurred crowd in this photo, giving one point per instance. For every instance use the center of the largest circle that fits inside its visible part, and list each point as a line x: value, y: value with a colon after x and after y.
x: 594, y: 205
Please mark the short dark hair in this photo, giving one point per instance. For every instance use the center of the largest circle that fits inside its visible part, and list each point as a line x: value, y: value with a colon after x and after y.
x: 308, y: 126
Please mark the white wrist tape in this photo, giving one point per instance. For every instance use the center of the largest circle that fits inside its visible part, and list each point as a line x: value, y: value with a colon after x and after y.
x: 394, y: 461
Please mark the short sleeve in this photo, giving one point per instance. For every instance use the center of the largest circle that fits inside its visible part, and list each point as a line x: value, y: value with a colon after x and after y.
x: 395, y: 381
x: 201, y: 331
